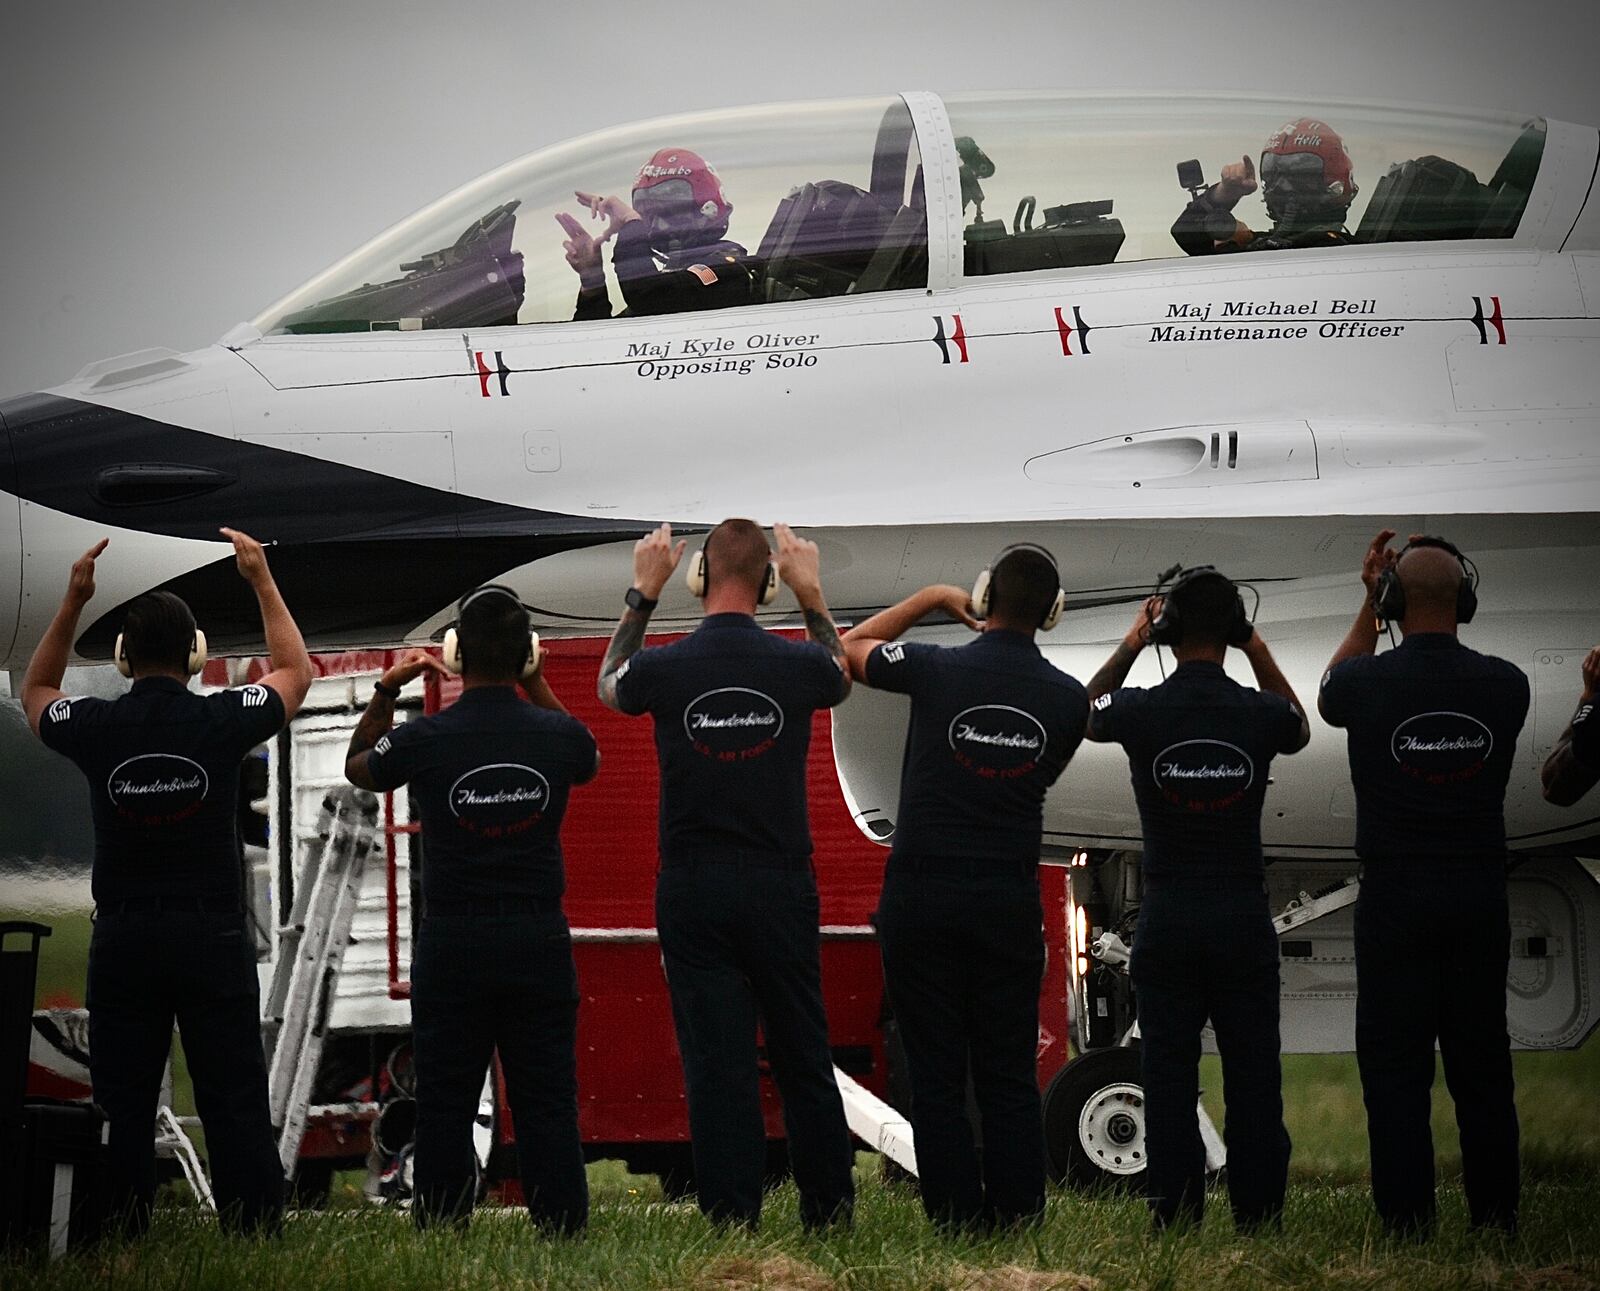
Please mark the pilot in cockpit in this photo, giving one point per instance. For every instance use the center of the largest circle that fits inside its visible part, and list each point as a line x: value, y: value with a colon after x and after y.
x: 1308, y: 182
x: 670, y: 254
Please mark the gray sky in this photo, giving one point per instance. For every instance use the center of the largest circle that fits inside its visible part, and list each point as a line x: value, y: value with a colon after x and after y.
x: 171, y: 167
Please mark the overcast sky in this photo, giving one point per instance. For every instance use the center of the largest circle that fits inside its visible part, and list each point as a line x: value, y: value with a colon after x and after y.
x: 170, y: 168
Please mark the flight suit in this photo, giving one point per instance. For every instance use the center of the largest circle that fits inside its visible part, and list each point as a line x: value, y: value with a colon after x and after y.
x: 1200, y: 747
x: 1432, y: 732
x: 710, y: 277
x: 171, y: 938
x: 993, y: 724
x: 1203, y: 229
x: 737, y: 908
x: 493, y: 970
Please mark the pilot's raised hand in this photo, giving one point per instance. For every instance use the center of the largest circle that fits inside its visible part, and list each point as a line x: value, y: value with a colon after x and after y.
x: 612, y: 209
x: 654, y: 559
x: 1238, y: 180
x: 583, y: 251
x: 1378, y: 558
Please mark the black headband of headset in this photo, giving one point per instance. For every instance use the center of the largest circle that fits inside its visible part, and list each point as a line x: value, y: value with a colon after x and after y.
x: 486, y: 590
x: 1429, y: 540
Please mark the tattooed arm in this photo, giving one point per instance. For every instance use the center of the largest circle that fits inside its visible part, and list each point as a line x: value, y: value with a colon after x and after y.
x: 654, y: 559
x: 379, y: 717
x: 1114, y: 671
x: 799, y: 565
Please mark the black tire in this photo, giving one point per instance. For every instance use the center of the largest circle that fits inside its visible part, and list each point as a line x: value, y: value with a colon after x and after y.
x: 1094, y: 1121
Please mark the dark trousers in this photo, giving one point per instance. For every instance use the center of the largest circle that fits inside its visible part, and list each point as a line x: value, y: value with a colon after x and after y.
x: 146, y: 969
x: 1201, y: 953
x: 963, y: 955
x: 506, y: 982
x: 1431, y: 957
x: 740, y: 947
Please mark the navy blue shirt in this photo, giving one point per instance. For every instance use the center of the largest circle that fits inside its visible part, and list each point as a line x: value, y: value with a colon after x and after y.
x: 490, y: 776
x: 1199, y: 748
x: 993, y: 724
x: 1432, y: 733
x: 163, y: 769
x: 732, y: 706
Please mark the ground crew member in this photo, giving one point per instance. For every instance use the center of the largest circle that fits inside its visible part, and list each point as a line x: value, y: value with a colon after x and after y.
x: 170, y: 934
x: 493, y: 968
x: 992, y: 726
x: 736, y: 900
x: 1200, y: 747
x: 1432, y: 735
x: 1573, y: 767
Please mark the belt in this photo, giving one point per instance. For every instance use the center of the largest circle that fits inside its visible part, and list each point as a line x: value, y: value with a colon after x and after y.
x: 739, y: 861
x: 963, y: 866
x: 490, y: 906
x: 170, y: 905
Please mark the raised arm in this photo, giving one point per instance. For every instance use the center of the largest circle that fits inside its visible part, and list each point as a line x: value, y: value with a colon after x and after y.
x: 1565, y: 776
x: 1362, y: 638
x: 1114, y: 671
x: 654, y: 559
x: 1271, y: 679
x: 893, y: 623
x: 41, y: 684
x: 286, y: 648
x: 800, y: 566
x: 379, y: 717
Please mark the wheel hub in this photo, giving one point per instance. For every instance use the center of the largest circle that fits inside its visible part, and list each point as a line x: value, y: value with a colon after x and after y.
x: 1111, y: 1128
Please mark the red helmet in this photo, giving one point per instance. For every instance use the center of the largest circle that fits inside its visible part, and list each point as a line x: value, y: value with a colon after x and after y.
x: 680, y: 164
x: 1308, y: 136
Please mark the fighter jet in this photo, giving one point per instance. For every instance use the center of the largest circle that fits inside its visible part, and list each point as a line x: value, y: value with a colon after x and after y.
x: 918, y: 328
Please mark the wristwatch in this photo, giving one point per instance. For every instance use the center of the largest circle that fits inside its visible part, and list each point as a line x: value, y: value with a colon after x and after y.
x: 637, y: 600
x: 392, y: 692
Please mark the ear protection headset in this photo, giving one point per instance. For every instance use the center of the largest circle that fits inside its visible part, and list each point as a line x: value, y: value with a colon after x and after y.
x: 698, y: 574
x: 452, y: 641
x: 1167, y: 627
x: 197, y: 655
x: 1389, y: 596
x: 980, y: 589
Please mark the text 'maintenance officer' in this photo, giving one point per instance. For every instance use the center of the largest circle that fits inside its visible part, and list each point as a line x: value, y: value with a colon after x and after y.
x: 1200, y: 748
x: 493, y: 968
x: 1432, y: 736
x: 993, y: 724
x: 170, y: 935
x: 736, y: 899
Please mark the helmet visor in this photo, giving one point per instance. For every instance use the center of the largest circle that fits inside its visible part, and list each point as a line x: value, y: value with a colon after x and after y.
x: 669, y: 197
x: 1301, y: 169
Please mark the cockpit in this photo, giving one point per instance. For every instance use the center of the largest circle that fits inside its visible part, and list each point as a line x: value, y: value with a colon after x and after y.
x: 837, y: 198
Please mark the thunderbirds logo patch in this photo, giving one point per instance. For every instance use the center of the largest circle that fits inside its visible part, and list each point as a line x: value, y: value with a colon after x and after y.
x: 733, y: 723
x: 1203, y: 775
x: 996, y: 741
x: 157, y: 788
x: 499, y: 800
x: 1441, y: 747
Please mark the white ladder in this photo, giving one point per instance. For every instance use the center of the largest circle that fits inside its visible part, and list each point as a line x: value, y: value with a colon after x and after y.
x: 310, y: 952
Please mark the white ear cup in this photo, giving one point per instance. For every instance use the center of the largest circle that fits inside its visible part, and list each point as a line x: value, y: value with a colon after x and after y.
x: 980, y: 595
x: 452, y: 652
x: 695, y: 574
x: 769, y: 585
x: 120, y: 658
x: 530, y: 668
x: 1054, y: 616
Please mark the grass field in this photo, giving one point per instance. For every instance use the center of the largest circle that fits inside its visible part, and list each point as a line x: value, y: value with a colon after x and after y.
x: 635, y: 1241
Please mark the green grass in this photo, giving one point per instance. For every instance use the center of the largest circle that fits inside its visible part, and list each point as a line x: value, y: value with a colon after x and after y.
x: 1329, y: 1241
x: 636, y: 1242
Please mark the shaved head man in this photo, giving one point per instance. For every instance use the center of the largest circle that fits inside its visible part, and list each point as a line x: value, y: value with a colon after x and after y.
x: 1432, y: 732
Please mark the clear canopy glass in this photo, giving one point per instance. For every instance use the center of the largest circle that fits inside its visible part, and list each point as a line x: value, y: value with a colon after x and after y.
x: 827, y: 200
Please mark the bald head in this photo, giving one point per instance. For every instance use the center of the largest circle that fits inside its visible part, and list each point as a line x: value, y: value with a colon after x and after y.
x: 1431, y: 577
x: 737, y: 552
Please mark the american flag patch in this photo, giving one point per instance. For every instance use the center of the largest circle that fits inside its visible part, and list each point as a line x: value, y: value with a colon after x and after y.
x: 705, y: 273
